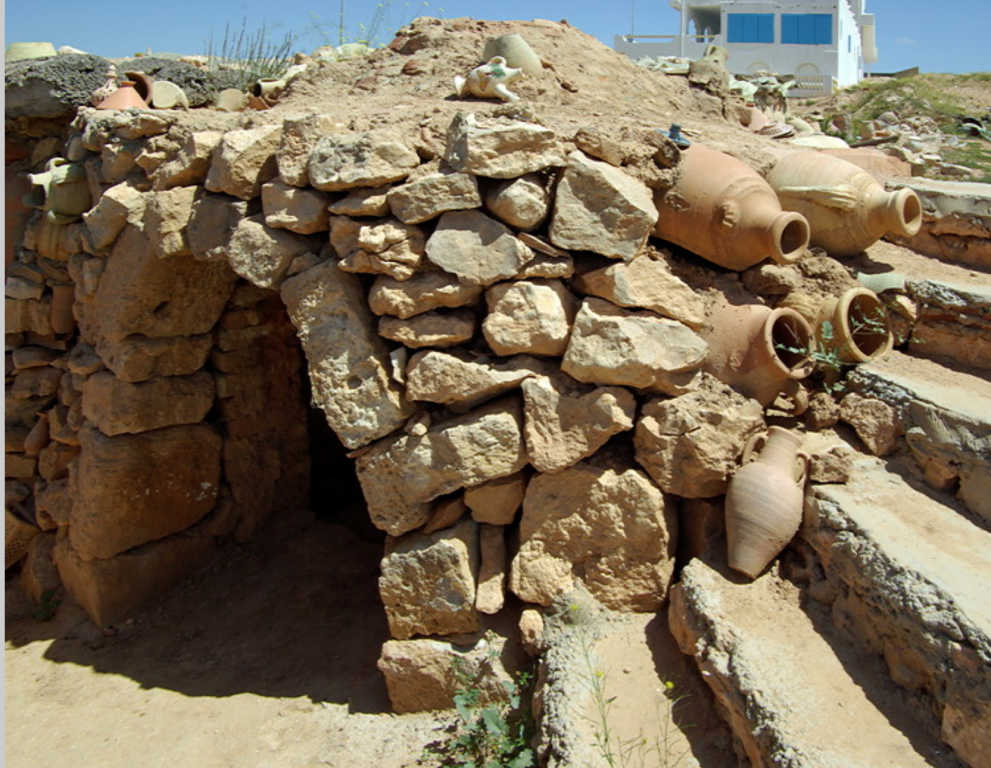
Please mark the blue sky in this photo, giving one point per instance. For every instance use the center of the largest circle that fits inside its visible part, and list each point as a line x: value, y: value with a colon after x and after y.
x: 909, y: 32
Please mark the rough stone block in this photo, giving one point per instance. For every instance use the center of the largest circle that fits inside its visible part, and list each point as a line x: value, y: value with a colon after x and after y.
x: 529, y: 317
x: 521, y: 203
x: 299, y: 135
x: 261, y: 254
x: 423, y: 292
x: 501, y: 148
x: 117, y: 407
x: 430, y: 329
x: 429, y: 196
x: 476, y: 248
x: 370, y: 159
x: 243, y: 161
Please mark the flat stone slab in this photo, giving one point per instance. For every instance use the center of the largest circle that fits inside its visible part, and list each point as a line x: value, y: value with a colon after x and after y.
x: 789, y: 698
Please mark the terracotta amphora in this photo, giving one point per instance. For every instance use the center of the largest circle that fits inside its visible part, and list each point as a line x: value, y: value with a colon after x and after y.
x: 723, y: 211
x: 762, y: 352
x: 61, y: 316
x: 62, y: 191
x: 854, y: 325
x: 125, y: 97
x: 516, y: 51
x: 764, y: 500
x: 848, y: 210
x: 107, y: 89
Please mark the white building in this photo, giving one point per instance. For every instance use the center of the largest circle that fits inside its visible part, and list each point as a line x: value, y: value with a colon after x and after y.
x: 824, y: 43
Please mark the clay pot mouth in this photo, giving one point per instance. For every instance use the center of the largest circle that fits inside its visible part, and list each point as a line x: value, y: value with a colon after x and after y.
x: 790, y: 236
x: 862, y: 326
x: 788, y: 338
x: 907, y: 212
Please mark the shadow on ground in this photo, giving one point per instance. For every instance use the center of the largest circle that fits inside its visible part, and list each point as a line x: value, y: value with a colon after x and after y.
x: 294, y: 613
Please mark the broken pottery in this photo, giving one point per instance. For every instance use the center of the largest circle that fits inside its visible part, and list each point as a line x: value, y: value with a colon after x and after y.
x: 761, y: 352
x: 854, y: 325
x: 142, y: 84
x: 489, y: 81
x: 62, y: 191
x: 847, y: 209
x: 764, y: 500
x: 722, y: 210
x: 125, y: 97
x: 107, y: 89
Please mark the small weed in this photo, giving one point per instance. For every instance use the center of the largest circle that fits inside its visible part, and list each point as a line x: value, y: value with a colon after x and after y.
x: 47, y: 606
x: 488, y: 735
x: 381, y: 27
x: 248, y: 57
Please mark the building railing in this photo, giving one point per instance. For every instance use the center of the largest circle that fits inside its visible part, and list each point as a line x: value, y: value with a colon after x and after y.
x: 812, y: 86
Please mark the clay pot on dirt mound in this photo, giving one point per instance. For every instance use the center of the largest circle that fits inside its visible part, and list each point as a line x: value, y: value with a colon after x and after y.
x: 764, y: 500
x: 722, y: 210
x: 853, y: 326
x: 847, y: 209
x: 761, y: 352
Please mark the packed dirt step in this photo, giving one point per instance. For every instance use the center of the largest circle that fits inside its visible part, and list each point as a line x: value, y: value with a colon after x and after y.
x: 907, y: 575
x: 946, y: 415
x: 793, y: 693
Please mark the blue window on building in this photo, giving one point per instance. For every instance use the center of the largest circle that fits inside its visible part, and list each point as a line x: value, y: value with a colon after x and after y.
x: 750, y: 28
x: 807, y: 28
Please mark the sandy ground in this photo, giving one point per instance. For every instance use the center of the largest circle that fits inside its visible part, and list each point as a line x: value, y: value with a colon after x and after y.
x: 266, y: 659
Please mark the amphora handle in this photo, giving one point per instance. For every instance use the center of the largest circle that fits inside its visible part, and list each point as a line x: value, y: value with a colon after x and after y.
x: 754, y: 446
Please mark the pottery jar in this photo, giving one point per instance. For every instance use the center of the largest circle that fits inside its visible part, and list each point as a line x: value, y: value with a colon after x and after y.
x: 62, y: 191
x: 516, y: 51
x: 764, y: 500
x: 143, y: 84
x: 722, y: 210
x: 125, y: 97
x: 859, y: 329
x: 60, y: 316
x: 848, y: 210
x: 759, y: 351
x: 108, y: 87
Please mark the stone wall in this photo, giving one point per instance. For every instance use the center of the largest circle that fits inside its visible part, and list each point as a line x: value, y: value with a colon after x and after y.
x: 513, y: 366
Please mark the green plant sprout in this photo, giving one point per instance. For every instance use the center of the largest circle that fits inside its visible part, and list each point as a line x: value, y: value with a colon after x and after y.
x: 488, y: 735
x: 248, y: 57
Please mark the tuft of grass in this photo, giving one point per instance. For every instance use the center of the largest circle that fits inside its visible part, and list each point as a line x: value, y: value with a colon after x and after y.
x: 974, y: 154
x: 906, y: 96
x: 248, y: 56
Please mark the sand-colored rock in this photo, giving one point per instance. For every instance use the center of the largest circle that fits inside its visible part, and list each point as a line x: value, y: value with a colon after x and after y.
x: 567, y: 421
x: 531, y: 317
x: 645, y: 282
x: 599, y: 208
x: 303, y: 211
x: 299, y: 135
x: 614, y: 346
x: 243, y: 161
x: 476, y: 248
x: 131, y: 489
x: 428, y: 582
x: 383, y: 246
x: 348, y: 362
x: 522, y: 203
x: 421, y: 293
x: 690, y: 445
x: 192, y: 163
x: 501, y: 148
x: 400, y: 475
x: 430, y: 329
x: 261, y: 254
x: 116, y: 407
x: 341, y: 161
x: 496, y: 502
x: 213, y: 221
x: 121, y: 204
x: 429, y: 196
x: 459, y: 380
x: 490, y: 594
x: 609, y: 528
x: 877, y: 424
x: 166, y: 219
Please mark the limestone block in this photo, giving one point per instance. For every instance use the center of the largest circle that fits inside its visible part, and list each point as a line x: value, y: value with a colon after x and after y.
x: 877, y: 424
x: 608, y: 528
x: 690, y: 445
x: 497, y: 501
x: 364, y: 201
x: 261, y: 254
x: 521, y: 203
x: 348, y: 362
x: 118, y: 206
x: 823, y: 411
x: 342, y: 161
x: 139, y: 358
x: 420, y: 674
x: 400, y: 475
x: 23, y: 289
x: 501, y: 148
x: 490, y: 594
x: 34, y: 357
x: 599, y: 208
x: 428, y: 582
x: 303, y: 211
x: 243, y: 161
x: 446, y: 513
x: 36, y: 382
x: 109, y: 589
x: 613, y: 346
x: 28, y: 316
x: 832, y: 465
x: 384, y: 246
x: 167, y: 216
x: 429, y: 196
x: 139, y: 294
x: 117, y: 407
x: 212, y: 222
x: 567, y: 422
x: 529, y: 317
x: 458, y: 380
x: 192, y: 163
x: 17, y: 465
x: 646, y: 282
x: 119, y: 160
x: 430, y: 329
x: 299, y: 135
x: 423, y: 292
x: 131, y: 489
x: 53, y: 502
x: 476, y: 248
